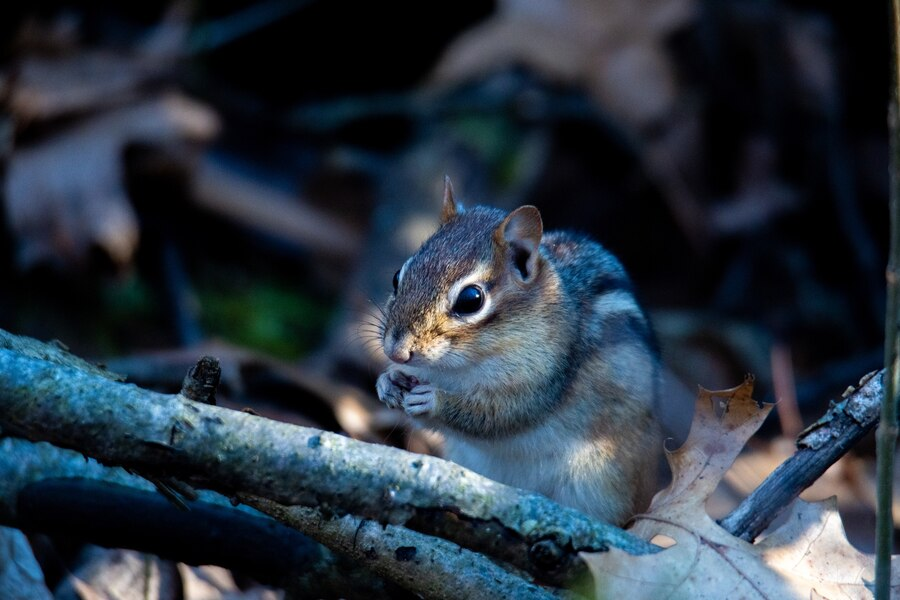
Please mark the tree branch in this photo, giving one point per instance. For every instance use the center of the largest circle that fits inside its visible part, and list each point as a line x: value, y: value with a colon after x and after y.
x: 53, y: 351
x: 428, y: 566
x: 49, y: 490
x: 234, y: 452
x: 818, y: 447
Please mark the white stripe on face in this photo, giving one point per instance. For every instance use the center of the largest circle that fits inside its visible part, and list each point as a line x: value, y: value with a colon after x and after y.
x: 403, y: 270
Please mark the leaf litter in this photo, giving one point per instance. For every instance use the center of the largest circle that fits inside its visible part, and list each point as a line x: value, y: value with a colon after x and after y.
x: 806, y: 557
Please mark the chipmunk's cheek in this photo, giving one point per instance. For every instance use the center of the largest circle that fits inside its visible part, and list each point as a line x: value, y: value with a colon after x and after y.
x: 437, y: 350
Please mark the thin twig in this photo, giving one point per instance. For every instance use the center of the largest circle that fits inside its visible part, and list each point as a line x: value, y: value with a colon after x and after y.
x: 785, y: 390
x: 818, y: 447
x: 887, y: 431
x: 224, y: 191
x: 214, y: 34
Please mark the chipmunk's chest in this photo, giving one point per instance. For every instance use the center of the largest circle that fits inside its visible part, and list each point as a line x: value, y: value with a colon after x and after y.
x: 531, y: 460
x: 573, y: 471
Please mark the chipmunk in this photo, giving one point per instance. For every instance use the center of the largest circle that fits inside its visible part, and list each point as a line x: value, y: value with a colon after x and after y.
x: 529, y: 353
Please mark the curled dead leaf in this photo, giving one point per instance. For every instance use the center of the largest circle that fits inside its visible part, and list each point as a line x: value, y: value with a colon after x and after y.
x: 65, y: 195
x: 615, y: 50
x: 806, y: 557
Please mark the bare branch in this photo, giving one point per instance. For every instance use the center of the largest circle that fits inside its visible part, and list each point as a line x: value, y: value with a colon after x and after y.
x: 425, y: 565
x: 49, y: 490
x: 818, y: 447
x: 55, y: 352
x: 234, y: 452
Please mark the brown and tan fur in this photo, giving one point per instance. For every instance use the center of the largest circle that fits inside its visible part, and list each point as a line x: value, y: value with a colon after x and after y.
x: 551, y: 385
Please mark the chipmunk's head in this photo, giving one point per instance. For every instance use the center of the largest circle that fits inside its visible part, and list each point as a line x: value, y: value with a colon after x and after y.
x: 470, y: 291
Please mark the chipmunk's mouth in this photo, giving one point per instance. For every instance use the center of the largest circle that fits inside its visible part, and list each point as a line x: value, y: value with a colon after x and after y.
x: 437, y: 354
x: 417, y: 360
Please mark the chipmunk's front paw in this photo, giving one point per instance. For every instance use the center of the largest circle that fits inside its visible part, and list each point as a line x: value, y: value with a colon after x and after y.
x: 392, y: 385
x: 388, y: 391
x: 419, y: 401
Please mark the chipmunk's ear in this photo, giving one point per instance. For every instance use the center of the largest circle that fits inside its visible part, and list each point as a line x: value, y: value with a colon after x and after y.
x: 450, y: 208
x: 521, y: 231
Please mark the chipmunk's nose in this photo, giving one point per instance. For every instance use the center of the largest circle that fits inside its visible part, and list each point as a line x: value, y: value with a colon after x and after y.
x: 397, y: 350
x: 400, y: 355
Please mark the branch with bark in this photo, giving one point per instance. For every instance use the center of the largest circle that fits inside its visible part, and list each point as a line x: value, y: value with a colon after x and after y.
x: 398, y: 514
x: 164, y: 435
x: 49, y: 490
x: 818, y: 447
x: 429, y: 567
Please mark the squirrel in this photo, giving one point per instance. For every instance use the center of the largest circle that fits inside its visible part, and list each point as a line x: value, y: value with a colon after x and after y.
x: 529, y: 353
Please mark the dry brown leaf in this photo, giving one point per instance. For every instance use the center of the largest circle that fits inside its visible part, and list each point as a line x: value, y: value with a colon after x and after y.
x: 57, y: 77
x: 65, y: 195
x: 809, y: 556
x: 614, y: 49
x: 864, y: 482
x: 215, y: 583
x: 120, y: 574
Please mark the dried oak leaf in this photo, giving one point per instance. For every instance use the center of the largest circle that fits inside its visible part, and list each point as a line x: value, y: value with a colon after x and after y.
x: 56, y: 77
x: 808, y: 556
x: 66, y: 194
x: 614, y: 49
x: 210, y: 582
x: 123, y: 574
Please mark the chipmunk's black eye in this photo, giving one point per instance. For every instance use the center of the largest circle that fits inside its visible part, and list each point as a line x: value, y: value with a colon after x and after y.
x: 396, y: 280
x: 469, y: 301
